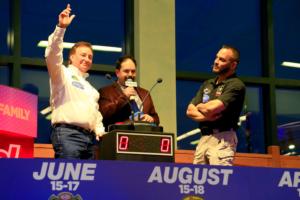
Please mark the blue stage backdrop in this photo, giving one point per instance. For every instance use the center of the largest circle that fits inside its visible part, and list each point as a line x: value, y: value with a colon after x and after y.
x: 91, y: 180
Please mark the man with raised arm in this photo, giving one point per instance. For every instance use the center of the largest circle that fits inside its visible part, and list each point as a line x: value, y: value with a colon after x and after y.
x: 76, y: 120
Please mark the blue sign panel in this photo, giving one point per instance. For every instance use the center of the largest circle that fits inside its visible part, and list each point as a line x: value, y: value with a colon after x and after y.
x: 91, y: 180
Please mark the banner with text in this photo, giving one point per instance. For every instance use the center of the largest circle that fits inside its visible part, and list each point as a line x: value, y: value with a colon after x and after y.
x: 18, y: 112
x: 91, y: 180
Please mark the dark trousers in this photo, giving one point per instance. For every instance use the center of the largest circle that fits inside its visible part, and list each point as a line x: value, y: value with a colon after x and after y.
x: 69, y: 143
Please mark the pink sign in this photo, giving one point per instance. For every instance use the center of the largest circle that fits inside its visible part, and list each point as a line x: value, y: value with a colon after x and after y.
x: 18, y: 112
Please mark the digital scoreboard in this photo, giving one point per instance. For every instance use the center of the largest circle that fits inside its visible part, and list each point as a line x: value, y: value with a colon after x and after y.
x: 137, y: 146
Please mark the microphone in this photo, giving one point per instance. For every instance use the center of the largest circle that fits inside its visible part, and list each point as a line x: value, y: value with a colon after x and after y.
x: 130, y: 83
x: 159, y: 80
x: 108, y: 76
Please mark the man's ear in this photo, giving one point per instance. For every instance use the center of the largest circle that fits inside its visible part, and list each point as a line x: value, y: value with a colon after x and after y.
x: 234, y: 65
x: 71, y: 59
x: 117, y: 72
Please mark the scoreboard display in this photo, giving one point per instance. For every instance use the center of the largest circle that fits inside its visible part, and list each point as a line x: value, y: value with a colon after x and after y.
x: 146, y: 144
x: 137, y: 146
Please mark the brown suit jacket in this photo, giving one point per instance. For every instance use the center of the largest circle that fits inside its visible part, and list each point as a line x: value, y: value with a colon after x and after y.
x: 114, y: 105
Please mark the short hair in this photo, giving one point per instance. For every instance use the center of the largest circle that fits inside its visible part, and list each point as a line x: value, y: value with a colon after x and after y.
x: 122, y: 59
x: 79, y: 44
x: 235, y: 51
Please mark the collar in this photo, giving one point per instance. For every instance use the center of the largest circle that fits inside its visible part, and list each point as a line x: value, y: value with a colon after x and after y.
x: 120, y: 85
x: 76, y: 71
x: 224, y: 81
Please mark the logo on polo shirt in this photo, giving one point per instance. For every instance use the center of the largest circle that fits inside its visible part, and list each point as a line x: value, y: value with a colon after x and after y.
x: 219, y: 90
x: 206, y: 97
x: 75, y: 78
x: 78, y: 84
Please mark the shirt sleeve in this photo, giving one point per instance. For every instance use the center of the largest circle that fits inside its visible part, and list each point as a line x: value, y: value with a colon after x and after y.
x: 111, y: 101
x: 198, y: 98
x: 54, y: 56
x: 233, y: 93
x: 99, y: 129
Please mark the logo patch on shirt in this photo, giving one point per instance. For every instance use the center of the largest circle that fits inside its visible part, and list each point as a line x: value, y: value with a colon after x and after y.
x: 78, y: 85
x: 206, y: 97
x: 75, y: 78
x: 219, y: 90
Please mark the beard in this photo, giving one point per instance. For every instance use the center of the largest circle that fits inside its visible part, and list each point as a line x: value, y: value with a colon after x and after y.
x: 222, y: 71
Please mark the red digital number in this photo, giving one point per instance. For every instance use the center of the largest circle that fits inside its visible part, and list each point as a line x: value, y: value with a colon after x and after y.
x: 123, y: 144
x: 165, y: 145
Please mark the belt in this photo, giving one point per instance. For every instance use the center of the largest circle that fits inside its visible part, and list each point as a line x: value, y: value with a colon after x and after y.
x: 71, y: 126
x: 210, y: 131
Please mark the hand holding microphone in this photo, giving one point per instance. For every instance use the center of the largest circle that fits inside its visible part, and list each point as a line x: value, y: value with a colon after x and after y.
x: 129, y: 91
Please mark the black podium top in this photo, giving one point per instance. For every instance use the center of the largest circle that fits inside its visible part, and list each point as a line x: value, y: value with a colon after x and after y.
x: 136, y: 126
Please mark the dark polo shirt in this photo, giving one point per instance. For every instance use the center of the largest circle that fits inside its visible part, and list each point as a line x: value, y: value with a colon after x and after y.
x: 231, y: 92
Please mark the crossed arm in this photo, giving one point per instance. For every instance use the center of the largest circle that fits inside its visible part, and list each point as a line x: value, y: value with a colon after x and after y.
x: 209, y: 111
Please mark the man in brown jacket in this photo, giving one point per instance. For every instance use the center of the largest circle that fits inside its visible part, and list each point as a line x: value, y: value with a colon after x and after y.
x: 118, y: 101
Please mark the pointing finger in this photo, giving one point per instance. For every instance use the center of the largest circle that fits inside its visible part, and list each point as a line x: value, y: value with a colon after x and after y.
x: 72, y: 17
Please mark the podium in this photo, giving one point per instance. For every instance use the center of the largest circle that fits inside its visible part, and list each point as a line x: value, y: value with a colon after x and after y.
x: 137, y: 142
x: 18, y: 127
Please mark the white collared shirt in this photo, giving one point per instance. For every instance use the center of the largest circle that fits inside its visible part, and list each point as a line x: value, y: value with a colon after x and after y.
x: 73, y: 99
